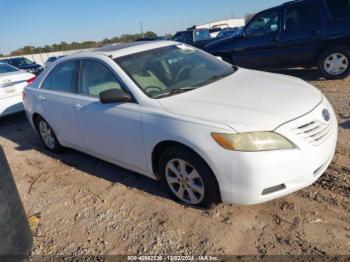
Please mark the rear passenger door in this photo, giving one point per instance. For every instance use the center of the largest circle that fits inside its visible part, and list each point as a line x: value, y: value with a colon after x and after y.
x: 301, y: 34
x: 110, y: 131
x: 56, y: 98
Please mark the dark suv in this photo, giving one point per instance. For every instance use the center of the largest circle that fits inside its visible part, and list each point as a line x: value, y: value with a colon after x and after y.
x: 303, y: 33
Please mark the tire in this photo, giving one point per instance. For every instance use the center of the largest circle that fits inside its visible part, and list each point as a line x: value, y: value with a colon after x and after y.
x: 48, y: 138
x: 198, y: 178
x: 336, y: 70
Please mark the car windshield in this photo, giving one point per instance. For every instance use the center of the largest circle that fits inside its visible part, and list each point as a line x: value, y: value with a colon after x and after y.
x: 19, y: 62
x: 174, y: 69
x: 4, y: 68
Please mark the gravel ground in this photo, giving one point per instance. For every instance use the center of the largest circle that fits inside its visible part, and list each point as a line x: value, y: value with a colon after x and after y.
x: 89, y: 207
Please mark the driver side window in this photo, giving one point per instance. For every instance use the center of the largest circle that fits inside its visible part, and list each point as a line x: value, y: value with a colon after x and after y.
x: 264, y: 23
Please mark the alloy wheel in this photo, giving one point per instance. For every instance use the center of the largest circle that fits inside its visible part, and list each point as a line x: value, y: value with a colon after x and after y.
x: 336, y: 64
x: 184, y: 181
x: 47, y: 135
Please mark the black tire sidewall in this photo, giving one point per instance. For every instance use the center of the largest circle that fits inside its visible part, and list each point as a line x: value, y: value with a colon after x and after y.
x: 211, y: 191
x: 342, y: 50
x: 57, y: 148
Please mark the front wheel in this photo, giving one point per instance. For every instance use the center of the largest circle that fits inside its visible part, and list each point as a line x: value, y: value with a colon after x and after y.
x: 334, y: 63
x: 188, y: 178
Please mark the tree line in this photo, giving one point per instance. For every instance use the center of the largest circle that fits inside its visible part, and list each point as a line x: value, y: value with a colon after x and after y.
x: 63, y: 46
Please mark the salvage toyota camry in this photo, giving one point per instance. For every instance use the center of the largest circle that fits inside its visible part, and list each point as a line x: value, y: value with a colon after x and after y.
x: 210, y: 131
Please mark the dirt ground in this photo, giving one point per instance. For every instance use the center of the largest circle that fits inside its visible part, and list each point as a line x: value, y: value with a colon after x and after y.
x: 90, y: 207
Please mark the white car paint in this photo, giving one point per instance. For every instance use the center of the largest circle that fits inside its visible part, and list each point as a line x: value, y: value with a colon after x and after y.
x: 11, y: 88
x: 126, y: 134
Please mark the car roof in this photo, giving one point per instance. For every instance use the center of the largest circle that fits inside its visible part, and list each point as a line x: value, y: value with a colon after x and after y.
x: 119, y: 50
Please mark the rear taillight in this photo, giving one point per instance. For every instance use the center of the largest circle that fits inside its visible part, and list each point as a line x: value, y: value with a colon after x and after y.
x: 31, y: 80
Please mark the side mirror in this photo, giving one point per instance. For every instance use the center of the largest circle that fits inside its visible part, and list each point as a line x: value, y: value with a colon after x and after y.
x: 114, y: 95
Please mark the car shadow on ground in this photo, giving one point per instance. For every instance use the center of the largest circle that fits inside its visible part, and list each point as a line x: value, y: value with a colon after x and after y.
x: 305, y: 74
x: 17, y: 129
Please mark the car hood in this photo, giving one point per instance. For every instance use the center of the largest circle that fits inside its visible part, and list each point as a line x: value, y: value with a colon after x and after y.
x: 247, y: 101
x: 221, y: 43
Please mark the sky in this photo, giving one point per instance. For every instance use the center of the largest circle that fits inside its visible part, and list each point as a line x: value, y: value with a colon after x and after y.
x: 41, y: 22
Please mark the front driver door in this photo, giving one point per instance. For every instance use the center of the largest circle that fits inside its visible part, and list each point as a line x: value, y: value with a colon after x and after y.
x: 258, y: 47
x: 111, y: 131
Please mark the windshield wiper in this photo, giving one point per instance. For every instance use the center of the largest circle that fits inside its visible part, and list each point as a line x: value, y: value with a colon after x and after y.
x: 213, y: 79
x: 175, y: 91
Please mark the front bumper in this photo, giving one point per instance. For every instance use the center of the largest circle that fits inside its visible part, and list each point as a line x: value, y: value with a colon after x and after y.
x: 255, y: 177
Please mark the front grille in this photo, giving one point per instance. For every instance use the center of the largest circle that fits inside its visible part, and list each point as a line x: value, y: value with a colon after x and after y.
x: 315, y: 132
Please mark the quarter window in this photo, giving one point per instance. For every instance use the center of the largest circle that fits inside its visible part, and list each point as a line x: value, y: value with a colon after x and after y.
x: 96, y: 77
x: 63, y: 77
x: 339, y: 9
x: 264, y: 23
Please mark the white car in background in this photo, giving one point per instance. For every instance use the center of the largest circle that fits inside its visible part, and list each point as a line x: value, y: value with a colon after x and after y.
x: 12, y: 82
x: 209, y: 130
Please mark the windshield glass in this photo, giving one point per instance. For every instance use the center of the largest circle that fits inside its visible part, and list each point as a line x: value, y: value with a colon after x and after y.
x: 19, y: 62
x: 4, y: 68
x: 163, y: 71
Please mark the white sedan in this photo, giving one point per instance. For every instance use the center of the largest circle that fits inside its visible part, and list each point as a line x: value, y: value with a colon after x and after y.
x: 210, y: 131
x: 12, y: 82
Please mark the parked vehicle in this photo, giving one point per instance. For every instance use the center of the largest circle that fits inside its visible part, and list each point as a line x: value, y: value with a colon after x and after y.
x: 214, y: 31
x: 307, y: 33
x: 209, y: 130
x: 194, y: 37
x: 24, y: 64
x: 51, y: 60
x: 12, y: 82
x: 230, y: 32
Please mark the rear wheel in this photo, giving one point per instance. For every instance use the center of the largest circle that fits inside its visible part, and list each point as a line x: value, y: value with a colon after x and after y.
x: 188, y: 178
x: 334, y: 63
x: 47, y: 135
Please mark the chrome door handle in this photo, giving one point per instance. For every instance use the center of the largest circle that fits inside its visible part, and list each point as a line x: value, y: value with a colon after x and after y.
x: 78, y: 106
x: 40, y: 97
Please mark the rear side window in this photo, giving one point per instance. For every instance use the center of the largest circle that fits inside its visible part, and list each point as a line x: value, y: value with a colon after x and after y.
x: 301, y: 17
x: 96, y: 78
x: 339, y: 9
x: 64, y: 77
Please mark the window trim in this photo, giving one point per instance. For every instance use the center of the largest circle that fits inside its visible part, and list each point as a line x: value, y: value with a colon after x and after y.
x: 122, y: 84
x: 50, y: 71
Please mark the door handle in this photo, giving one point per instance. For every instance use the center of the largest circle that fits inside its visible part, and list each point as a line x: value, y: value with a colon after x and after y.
x: 40, y: 97
x: 78, y: 106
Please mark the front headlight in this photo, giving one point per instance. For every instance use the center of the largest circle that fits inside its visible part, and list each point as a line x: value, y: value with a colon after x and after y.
x: 253, y: 142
